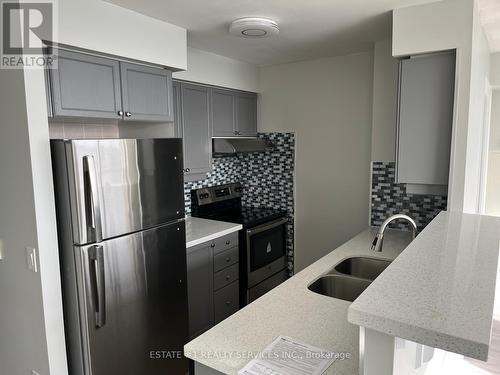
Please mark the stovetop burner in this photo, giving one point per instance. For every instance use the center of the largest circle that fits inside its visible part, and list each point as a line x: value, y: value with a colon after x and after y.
x: 224, y: 203
x: 247, y: 216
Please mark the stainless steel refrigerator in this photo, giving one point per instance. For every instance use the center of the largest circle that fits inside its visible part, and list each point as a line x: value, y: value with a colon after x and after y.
x: 120, y: 212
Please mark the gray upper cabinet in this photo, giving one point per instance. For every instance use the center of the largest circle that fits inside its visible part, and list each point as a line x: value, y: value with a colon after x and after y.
x: 176, y: 100
x: 91, y: 86
x: 85, y: 86
x: 246, y: 115
x: 223, y: 113
x: 234, y: 113
x: 195, y: 120
x: 425, y: 116
x: 146, y: 93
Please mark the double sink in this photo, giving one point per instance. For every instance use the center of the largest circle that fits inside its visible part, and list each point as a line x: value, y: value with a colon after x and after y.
x: 349, y: 278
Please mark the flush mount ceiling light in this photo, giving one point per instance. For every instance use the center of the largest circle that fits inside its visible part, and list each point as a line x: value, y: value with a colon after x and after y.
x: 254, y: 27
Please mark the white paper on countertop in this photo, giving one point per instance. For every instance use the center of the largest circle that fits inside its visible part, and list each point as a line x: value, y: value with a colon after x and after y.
x: 288, y: 356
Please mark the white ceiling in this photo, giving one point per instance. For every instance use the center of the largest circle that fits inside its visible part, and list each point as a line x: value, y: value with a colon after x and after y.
x: 308, y: 28
x: 490, y: 18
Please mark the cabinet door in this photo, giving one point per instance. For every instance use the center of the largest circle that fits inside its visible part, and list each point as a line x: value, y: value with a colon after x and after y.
x: 223, y: 113
x: 200, y: 289
x: 146, y: 93
x: 176, y: 100
x: 246, y: 114
x: 85, y: 86
x: 195, y: 117
x: 426, y: 96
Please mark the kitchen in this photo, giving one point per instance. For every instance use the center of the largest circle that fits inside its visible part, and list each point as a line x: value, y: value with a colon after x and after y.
x: 304, y: 136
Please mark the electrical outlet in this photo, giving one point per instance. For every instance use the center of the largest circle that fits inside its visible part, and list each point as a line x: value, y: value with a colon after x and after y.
x: 31, y: 257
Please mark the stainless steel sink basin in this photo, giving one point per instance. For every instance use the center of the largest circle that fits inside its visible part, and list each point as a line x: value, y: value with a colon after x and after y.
x: 342, y: 287
x: 363, y: 267
x: 349, y: 278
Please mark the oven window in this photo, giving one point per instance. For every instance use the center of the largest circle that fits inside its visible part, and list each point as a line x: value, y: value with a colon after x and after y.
x: 266, y: 247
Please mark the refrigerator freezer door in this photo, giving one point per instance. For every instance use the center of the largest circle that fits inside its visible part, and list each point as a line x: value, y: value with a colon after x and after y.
x: 134, y: 303
x: 123, y: 185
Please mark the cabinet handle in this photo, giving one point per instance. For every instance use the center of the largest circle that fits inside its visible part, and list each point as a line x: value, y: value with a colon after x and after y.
x: 128, y: 114
x: 120, y: 113
x: 228, y: 260
x: 228, y: 242
x: 228, y: 303
x: 188, y: 169
x: 228, y: 277
x: 212, y: 245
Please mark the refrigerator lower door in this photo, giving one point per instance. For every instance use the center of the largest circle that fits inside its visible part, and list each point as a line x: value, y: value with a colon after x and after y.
x: 133, y: 303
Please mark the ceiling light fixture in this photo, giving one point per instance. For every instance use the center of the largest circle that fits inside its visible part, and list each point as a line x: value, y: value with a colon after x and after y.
x: 254, y: 27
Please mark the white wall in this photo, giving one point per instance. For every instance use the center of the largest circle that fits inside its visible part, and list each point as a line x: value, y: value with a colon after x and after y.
x: 31, y: 318
x: 480, y: 72
x: 493, y: 184
x: 209, y: 68
x: 385, y: 93
x: 328, y: 104
x: 104, y: 27
x: 495, y: 70
x: 453, y: 24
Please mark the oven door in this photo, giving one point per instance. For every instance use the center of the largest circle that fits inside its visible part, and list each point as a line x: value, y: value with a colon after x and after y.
x: 266, y: 250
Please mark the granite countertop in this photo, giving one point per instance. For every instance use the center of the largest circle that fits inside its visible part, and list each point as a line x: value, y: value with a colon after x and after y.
x: 440, y: 292
x: 200, y: 230
x: 292, y: 310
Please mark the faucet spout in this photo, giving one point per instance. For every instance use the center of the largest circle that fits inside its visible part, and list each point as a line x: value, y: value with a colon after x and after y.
x: 379, y: 238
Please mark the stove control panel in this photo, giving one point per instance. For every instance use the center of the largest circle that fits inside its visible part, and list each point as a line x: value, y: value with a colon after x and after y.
x: 217, y: 193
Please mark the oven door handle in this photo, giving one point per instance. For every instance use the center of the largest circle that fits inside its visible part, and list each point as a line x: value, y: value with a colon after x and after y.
x: 267, y: 226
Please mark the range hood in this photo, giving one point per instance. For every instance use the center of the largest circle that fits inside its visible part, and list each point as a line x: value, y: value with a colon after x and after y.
x: 230, y: 146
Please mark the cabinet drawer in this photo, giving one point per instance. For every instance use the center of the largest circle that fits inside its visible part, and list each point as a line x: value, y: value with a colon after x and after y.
x: 226, y: 276
x: 226, y: 301
x: 226, y: 242
x: 225, y: 259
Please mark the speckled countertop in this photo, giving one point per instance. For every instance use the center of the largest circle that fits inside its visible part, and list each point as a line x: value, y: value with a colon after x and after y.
x: 441, y: 290
x: 292, y: 310
x: 202, y: 230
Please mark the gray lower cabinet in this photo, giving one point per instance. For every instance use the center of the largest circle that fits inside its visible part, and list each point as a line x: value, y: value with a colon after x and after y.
x: 200, y: 288
x: 89, y: 86
x: 146, y: 93
x: 234, y: 113
x: 213, y: 282
x: 425, y: 116
x: 85, y: 86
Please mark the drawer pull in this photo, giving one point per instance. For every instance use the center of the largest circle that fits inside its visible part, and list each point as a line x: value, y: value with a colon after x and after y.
x: 228, y: 242
x: 228, y: 277
x: 228, y: 259
x: 212, y: 245
x: 228, y: 303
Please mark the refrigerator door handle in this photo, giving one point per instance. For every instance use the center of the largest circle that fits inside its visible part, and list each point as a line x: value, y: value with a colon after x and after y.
x: 92, y: 206
x: 98, y: 286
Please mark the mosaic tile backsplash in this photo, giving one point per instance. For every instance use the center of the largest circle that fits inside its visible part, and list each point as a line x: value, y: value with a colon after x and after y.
x: 389, y: 198
x: 267, y: 178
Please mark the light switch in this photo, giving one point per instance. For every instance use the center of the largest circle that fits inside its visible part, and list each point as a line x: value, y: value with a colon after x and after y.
x: 31, y: 257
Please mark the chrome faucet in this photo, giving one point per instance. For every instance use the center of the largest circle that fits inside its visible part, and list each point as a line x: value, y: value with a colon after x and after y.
x: 379, y: 238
